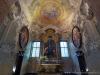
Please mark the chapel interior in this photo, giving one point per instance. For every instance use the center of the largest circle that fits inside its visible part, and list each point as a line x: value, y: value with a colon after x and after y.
x: 49, y: 37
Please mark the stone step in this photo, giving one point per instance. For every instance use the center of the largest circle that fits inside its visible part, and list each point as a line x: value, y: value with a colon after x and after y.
x: 50, y: 74
x: 43, y: 74
x: 59, y: 74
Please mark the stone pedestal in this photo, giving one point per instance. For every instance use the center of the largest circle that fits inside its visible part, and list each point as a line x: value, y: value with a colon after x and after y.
x: 18, y: 64
x: 82, y: 62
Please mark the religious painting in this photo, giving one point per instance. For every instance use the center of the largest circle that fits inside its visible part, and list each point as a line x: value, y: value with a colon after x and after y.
x: 50, y: 48
x: 23, y: 37
x: 49, y: 38
x: 76, y: 37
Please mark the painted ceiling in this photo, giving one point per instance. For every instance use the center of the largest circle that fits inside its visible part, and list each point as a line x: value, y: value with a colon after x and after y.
x: 51, y: 12
x: 47, y: 12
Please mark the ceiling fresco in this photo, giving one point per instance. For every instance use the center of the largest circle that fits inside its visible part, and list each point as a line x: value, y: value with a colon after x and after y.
x: 47, y: 12
x: 51, y: 12
x: 43, y: 14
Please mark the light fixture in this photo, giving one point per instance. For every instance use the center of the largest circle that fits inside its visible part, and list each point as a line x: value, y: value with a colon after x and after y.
x: 14, y: 68
x: 87, y: 69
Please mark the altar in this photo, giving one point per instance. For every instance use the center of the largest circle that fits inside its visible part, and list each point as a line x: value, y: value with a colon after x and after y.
x: 50, y: 66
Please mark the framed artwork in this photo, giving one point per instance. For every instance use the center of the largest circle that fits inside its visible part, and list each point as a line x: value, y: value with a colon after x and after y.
x: 76, y: 37
x: 23, y: 37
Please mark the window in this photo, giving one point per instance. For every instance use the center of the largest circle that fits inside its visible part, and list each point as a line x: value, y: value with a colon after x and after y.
x: 64, y: 49
x: 35, y: 49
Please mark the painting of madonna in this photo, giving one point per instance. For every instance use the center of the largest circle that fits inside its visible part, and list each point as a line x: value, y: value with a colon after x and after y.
x: 23, y: 37
x: 76, y: 37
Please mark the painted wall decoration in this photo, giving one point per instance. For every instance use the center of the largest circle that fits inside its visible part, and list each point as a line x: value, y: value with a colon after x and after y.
x: 23, y: 37
x: 76, y: 37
